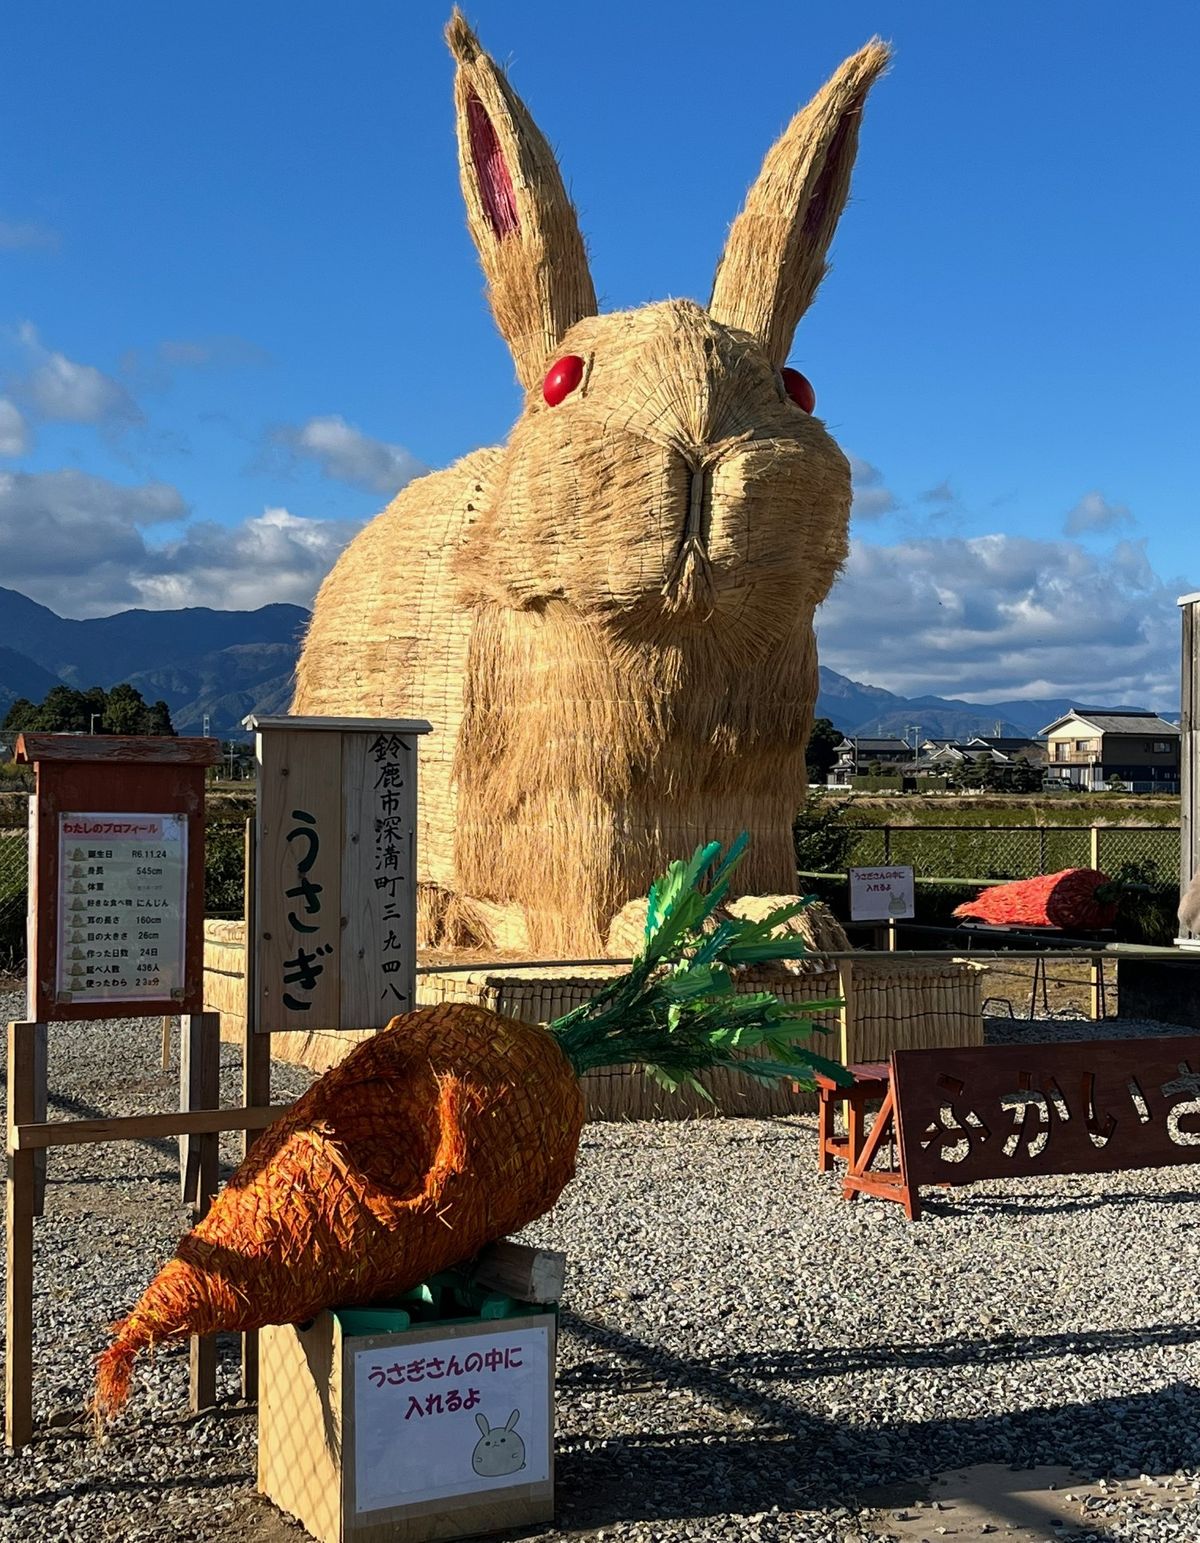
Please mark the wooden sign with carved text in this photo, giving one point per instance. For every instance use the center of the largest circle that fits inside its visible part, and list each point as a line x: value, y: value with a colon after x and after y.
x: 335, y: 888
x: 1001, y: 1111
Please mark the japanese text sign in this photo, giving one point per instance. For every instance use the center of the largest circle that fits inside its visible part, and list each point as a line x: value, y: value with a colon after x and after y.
x: 122, y: 907
x: 116, y: 874
x: 1001, y: 1111
x: 457, y: 1416
x: 880, y: 894
x: 336, y: 872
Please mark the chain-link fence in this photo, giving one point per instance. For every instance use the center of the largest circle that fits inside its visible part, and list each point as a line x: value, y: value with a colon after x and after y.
x: 935, y: 851
x: 13, y: 869
x: 1019, y: 851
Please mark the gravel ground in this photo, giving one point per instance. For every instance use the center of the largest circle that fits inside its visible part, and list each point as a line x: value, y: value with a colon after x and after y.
x: 744, y: 1355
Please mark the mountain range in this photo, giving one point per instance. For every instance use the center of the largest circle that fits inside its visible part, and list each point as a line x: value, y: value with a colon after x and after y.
x: 202, y: 663
x: 225, y: 664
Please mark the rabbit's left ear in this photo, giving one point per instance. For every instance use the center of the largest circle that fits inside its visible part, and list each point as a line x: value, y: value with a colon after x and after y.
x: 518, y: 211
x: 775, y: 254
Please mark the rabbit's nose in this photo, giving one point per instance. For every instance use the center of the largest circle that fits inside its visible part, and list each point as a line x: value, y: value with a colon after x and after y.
x: 699, y: 512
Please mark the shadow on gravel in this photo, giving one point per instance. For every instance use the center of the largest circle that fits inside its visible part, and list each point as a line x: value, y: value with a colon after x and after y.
x: 712, y: 1376
x: 796, y: 1459
x: 1033, y: 1205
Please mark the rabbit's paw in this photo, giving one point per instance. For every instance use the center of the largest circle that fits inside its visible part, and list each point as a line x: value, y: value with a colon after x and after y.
x: 454, y: 923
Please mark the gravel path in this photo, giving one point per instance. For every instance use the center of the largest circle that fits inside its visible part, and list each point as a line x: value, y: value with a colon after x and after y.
x: 744, y: 1355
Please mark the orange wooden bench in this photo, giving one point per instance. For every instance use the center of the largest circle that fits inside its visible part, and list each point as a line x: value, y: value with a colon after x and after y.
x: 870, y: 1086
x: 957, y: 1116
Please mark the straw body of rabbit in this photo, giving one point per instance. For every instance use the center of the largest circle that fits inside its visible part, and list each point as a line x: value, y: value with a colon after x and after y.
x: 609, y: 619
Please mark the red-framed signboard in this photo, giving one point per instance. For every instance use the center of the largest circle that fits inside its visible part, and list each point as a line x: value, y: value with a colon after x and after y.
x: 116, y: 875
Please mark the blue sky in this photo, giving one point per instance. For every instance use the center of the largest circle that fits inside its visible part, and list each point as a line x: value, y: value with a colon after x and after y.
x: 239, y: 304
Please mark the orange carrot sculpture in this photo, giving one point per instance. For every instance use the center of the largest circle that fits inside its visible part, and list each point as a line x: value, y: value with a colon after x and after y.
x: 455, y: 1126
x: 1082, y: 899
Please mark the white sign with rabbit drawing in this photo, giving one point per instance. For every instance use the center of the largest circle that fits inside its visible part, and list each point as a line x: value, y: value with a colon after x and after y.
x: 455, y: 1416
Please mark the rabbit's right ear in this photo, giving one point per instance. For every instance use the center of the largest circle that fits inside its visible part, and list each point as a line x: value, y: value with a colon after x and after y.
x: 483, y: 1425
x: 775, y: 253
x: 518, y: 212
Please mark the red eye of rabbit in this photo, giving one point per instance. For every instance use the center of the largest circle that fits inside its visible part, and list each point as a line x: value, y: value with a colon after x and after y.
x: 561, y: 378
x: 799, y: 388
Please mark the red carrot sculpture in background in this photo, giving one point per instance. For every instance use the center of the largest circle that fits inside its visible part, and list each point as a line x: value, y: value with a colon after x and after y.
x: 1076, y: 900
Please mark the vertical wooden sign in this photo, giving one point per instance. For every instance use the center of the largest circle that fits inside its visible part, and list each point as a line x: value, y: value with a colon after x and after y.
x: 335, y: 890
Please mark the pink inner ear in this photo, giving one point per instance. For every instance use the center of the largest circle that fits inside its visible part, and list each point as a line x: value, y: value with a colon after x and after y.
x: 495, y: 184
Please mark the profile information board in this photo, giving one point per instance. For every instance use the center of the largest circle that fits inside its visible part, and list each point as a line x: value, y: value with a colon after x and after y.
x: 122, y: 894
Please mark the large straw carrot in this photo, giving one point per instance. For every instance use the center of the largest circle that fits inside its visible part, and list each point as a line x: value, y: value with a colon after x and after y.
x: 1082, y: 899
x: 455, y: 1126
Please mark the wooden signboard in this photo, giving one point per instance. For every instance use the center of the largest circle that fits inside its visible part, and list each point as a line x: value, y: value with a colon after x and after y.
x: 116, y: 875
x: 335, y: 888
x: 436, y: 1432
x: 1017, y: 1111
x: 881, y: 894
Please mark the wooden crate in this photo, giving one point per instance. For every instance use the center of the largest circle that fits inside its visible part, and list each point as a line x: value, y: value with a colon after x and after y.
x: 341, y: 1449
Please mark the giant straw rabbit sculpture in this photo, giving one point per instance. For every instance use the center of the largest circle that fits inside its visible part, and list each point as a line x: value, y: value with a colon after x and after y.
x: 609, y: 619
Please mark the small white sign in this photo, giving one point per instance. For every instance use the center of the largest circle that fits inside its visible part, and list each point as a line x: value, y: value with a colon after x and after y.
x: 445, y: 1417
x: 122, y: 886
x: 881, y: 894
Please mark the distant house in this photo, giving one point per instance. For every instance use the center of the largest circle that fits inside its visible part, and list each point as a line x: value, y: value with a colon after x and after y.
x: 1091, y: 750
x: 1010, y: 747
x: 942, y: 755
x: 855, y: 757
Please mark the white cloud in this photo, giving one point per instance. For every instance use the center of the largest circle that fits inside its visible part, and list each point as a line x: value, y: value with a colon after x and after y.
x: 941, y: 493
x: 348, y: 455
x: 79, y: 544
x: 273, y: 557
x: 1005, y: 616
x: 14, y: 431
x: 1093, y: 513
x: 871, y: 499
x: 68, y: 392
x: 27, y: 236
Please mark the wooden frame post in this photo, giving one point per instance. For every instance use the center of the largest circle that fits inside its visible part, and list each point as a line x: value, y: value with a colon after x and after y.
x: 846, y: 1024
x: 200, y: 1088
x: 256, y: 1076
x: 27, y: 1054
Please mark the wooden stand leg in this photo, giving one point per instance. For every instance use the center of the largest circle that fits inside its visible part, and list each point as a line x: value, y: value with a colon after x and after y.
x: 166, y: 1044
x: 855, y: 1128
x: 256, y: 1069
x: 26, y: 1106
x: 199, y: 1088
x: 38, y: 1097
x: 256, y: 1092
x: 824, y: 1131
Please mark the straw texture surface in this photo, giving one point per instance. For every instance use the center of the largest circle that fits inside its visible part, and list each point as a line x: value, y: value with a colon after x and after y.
x: 609, y: 620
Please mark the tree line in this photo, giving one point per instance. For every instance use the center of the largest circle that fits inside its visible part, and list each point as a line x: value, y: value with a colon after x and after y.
x: 121, y: 710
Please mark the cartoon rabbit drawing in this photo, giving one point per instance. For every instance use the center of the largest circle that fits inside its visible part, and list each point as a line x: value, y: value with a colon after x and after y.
x: 500, y: 1450
x: 609, y: 619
